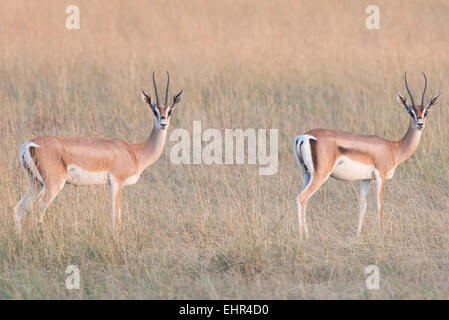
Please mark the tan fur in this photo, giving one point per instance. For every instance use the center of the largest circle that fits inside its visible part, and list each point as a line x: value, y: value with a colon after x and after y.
x: 118, y: 159
x: 369, y: 158
x: 61, y: 160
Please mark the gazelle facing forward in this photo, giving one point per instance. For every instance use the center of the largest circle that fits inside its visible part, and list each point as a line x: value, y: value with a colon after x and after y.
x: 51, y: 162
x: 347, y: 156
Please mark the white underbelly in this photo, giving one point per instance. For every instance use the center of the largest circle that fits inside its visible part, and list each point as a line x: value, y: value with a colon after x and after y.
x: 347, y: 169
x: 79, y: 176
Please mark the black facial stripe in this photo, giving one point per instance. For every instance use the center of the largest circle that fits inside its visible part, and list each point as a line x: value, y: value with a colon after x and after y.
x: 412, y: 113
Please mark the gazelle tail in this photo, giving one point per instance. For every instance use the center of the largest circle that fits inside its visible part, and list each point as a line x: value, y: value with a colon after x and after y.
x: 303, y: 152
x: 27, y: 161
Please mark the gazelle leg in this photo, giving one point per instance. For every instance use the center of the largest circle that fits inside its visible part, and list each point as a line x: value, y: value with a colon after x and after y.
x: 116, y: 190
x: 306, y: 179
x: 52, y: 189
x: 380, y: 187
x: 364, y: 187
x: 26, y: 202
x: 306, y: 230
x: 314, y: 184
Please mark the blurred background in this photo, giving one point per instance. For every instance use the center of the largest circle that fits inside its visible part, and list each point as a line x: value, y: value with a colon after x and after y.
x: 221, y: 231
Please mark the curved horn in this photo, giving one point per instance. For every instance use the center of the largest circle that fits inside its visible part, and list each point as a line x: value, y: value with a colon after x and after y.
x: 168, y: 84
x: 155, y: 90
x: 408, y: 90
x: 425, y: 88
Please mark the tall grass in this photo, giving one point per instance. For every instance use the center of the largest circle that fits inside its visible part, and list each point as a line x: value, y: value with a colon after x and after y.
x: 197, y: 231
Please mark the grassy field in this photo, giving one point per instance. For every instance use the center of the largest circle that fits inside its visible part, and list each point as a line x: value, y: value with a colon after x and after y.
x: 223, y: 231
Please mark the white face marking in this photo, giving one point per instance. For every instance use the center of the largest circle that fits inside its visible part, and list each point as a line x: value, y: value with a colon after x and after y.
x: 350, y: 170
x: 79, y: 176
x: 414, y: 114
x: 164, y: 122
x: 418, y: 122
x: 159, y: 122
x: 157, y: 112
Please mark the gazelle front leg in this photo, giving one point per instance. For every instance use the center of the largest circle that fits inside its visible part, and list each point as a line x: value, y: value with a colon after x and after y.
x: 116, y: 190
x: 380, y: 187
x: 364, y: 187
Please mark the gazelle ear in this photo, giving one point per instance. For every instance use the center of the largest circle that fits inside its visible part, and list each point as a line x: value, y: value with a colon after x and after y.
x: 402, y: 101
x: 147, y: 99
x: 434, y: 100
x: 176, y: 98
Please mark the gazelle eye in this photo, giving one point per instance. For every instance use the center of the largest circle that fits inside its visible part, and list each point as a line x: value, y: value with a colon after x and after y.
x: 425, y: 113
x: 169, y: 113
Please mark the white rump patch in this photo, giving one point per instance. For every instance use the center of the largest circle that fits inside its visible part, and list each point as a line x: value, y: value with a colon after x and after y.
x: 304, y: 150
x: 25, y: 157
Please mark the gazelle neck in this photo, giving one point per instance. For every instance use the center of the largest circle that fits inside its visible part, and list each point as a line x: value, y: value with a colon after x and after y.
x: 149, y: 151
x: 408, y: 144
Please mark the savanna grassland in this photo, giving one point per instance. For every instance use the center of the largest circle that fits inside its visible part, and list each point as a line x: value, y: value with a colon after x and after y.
x: 223, y: 231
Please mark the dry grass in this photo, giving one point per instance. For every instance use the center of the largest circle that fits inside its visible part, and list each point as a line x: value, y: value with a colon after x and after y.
x: 194, y: 231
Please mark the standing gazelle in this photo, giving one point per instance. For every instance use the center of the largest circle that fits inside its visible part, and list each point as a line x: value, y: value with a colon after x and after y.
x: 51, y: 162
x: 347, y: 156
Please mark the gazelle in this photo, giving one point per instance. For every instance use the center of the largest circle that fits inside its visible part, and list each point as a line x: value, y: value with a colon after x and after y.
x: 347, y: 156
x: 50, y: 162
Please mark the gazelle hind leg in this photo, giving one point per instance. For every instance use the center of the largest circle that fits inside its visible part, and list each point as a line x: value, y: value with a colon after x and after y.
x: 34, y: 190
x: 364, y: 187
x: 51, y: 191
x: 306, y: 179
x: 315, y: 182
x: 306, y: 229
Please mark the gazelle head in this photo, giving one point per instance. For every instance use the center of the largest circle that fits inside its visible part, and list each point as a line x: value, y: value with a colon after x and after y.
x: 418, y: 113
x: 162, y: 112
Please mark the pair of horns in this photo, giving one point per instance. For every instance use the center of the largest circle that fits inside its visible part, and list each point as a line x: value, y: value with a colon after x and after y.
x: 166, y: 90
x: 410, y: 94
